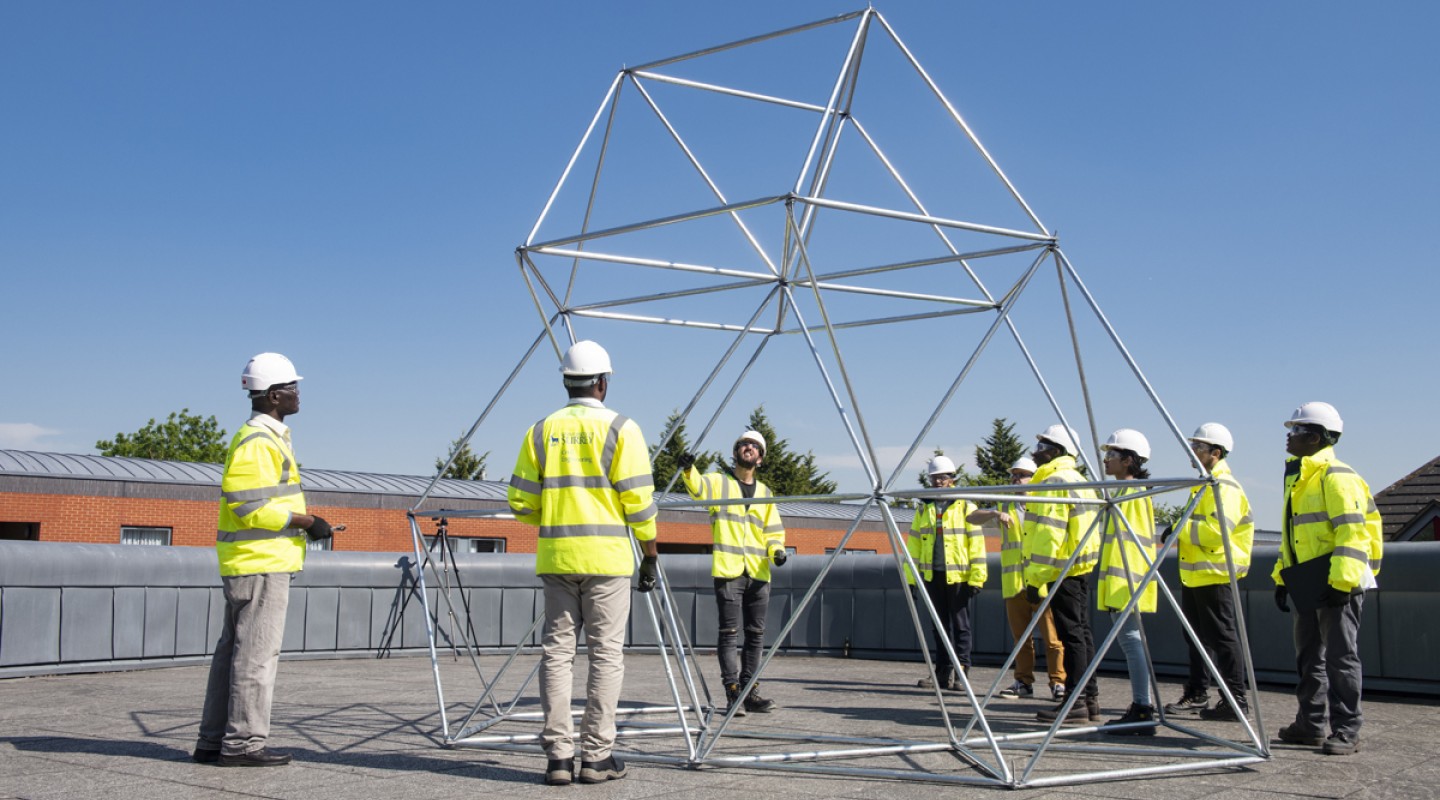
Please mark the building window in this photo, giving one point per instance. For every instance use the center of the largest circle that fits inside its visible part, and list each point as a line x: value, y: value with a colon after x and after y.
x: 20, y: 531
x: 466, y: 544
x: 318, y: 544
x: 850, y: 551
x: 151, y: 536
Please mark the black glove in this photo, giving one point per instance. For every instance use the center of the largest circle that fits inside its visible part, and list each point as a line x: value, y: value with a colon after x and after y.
x: 1032, y: 594
x: 1167, y: 533
x: 686, y: 460
x: 319, y: 529
x: 780, y: 557
x: 1281, y: 594
x: 649, y: 574
x: 968, y: 592
x: 1335, y: 598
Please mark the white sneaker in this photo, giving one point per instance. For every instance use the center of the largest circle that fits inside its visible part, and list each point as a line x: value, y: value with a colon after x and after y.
x: 1017, y: 690
x: 1057, y: 692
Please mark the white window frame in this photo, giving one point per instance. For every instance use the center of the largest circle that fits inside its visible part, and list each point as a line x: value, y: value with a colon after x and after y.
x: 137, y: 535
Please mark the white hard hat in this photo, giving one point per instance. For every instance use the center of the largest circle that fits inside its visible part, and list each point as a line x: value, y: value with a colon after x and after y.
x: 1129, y: 439
x: 940, y: 465
x: 1062, y: 436
x: 584, y: 359
x: 1216, y: 434
x: 1024, y: 464
x: 753, y: 436
x: 1317, y: 413
x: 266, y: 370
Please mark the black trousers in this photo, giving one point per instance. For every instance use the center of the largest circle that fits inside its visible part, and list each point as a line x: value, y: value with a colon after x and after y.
x: 1071, y: 612
x: 951, y: 601
x: 741, y: 601
x: 1211, y: 612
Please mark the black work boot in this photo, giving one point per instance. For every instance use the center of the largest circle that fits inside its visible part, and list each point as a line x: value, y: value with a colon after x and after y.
x: 1135, y: 714
x: 1189, y: 704
x: 757, y: 704
x: 1223, y: 711
x: 732, y: 699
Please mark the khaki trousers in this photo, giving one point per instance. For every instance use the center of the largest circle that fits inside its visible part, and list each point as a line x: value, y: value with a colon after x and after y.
x: 236, y: 719
x: 1018, y: 611
x: 601, y: 604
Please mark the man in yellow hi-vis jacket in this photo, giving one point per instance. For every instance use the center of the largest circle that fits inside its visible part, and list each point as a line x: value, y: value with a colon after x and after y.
x: 747, y: 538
x: 1329, y: 514
x: 1055, y: 531
x: 260, y: 542
x: 583, y: 476
x: 949, y: 551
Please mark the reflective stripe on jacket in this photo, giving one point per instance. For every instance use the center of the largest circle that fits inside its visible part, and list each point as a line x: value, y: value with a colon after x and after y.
x: 1127, y: 553
x: 964, y: 545
x: 1331, y: 511
x: 745, y: 535
x: 1053, y: 531
x: 583, y: 476
x: 1012, y: 556
x: 259, y: 493
x: 1202, y: 546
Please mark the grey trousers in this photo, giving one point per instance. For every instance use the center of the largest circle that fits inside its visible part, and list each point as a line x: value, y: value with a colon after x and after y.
x: 1327, y: 658
x: 236, y: 718
x: 600, y: 603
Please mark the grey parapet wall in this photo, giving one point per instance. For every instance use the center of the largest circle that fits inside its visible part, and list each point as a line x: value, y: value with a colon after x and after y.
x: 85, y: 608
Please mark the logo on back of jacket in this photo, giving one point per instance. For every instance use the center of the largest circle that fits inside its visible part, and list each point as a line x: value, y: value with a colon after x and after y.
x: 567, y: 441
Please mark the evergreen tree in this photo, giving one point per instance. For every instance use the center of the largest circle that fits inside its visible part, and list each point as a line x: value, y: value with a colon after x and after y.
x: 181, y: 437
x: 467, y: 466
x: 665, y: 462
x: 1000, y: 450
x: 784, y: 471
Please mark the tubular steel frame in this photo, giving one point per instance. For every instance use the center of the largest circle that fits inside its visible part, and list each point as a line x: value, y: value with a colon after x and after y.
x: 698, y: 722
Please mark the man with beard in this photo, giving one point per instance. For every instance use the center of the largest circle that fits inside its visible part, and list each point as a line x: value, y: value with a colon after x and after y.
x: 747, y: 538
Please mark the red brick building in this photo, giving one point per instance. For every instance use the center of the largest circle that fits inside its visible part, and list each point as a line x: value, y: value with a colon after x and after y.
x: 59, y: 497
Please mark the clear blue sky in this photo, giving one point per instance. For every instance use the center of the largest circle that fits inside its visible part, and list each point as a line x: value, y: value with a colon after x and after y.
x: 1249, y: 189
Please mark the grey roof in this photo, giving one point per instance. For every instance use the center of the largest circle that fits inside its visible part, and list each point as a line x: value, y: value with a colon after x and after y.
x: 1405, y: 501
x: 69, y: 465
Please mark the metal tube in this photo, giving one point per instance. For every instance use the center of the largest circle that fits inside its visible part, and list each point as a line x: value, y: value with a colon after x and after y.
x: 924, y: 218
x: 636, y: 261
x: 659, y: 222
x: 750, y: 40
x: 955, y: 115
x: 565, y: 175
x: 705, y: 176
x: 919, y: 206
x: 1001, y: 317
x: 710, y: 87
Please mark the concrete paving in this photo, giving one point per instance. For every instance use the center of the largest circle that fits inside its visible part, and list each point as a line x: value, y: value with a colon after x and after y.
x: 370, y: 729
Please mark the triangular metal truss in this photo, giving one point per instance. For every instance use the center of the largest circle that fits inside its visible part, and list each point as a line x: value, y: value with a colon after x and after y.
x: 769, y: 268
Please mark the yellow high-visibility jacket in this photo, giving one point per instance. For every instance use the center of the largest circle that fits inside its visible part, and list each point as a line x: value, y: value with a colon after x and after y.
x: 745, y: 536
x: 1127, y: 553
x: 964, y: 544
x: 1202, y: 544
x: 1053, y: 531
x: 259, y: 493
x: 1012, y: 555
x: 1331, y: 511
x: 583, y: 476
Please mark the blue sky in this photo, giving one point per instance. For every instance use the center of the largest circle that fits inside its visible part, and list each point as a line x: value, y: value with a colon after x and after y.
x: 1248, y: 189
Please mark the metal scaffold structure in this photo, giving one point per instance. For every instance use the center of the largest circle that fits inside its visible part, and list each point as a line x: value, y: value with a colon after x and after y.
x: 780, y: 274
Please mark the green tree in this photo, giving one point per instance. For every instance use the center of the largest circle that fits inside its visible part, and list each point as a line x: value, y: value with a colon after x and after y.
x: 784, y: 471
x: 181, y: 437
x: 467, y: 466
x: 665, y: 462
x: 999, y: 451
